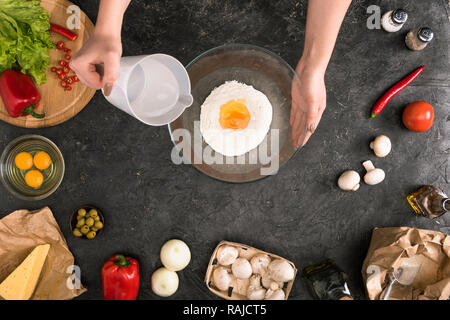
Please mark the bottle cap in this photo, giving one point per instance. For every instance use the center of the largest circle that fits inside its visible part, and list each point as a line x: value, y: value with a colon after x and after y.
x: 425, y: 34
x: 446, y: 204
x: 399, y: 16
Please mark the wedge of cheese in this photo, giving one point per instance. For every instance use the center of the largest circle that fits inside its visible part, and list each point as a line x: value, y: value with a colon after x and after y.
x: 20, y: 284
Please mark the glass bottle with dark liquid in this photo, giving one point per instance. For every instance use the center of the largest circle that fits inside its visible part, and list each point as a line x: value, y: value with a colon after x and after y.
x: 327, y: 282
x: 429, y: 201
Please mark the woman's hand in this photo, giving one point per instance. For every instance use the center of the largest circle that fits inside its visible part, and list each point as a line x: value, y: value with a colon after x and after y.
x: 309, y: 95
x: 309, y: 98
x: 97, y: 63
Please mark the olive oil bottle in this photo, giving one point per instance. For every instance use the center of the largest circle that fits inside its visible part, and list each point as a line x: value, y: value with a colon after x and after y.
x: 429, y: 201
x: 327, y: 282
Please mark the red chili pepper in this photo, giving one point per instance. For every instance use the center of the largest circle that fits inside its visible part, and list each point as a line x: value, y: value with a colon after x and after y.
x: 19, y: 94
x: 399, y: 86
x: 120, y: 278
x: 63, y: 31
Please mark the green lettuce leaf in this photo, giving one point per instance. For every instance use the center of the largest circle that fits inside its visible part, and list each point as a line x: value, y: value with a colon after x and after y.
x: 24, y: 37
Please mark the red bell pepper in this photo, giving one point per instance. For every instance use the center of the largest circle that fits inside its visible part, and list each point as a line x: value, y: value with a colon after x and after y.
x: 120, y: 278
x: 19, y: 94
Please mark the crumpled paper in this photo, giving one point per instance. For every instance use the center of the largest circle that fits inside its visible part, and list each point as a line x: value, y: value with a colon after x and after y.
x: 424, y: 251
x: 20, y: 232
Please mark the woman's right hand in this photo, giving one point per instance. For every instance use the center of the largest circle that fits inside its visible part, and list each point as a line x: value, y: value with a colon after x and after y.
x: 97, y: 63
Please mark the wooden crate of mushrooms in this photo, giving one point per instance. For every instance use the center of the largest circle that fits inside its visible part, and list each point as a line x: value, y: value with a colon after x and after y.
x: 240, y: 272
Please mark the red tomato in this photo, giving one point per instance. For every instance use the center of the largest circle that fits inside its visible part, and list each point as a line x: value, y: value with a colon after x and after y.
x: 418, y: 116
x: 60, y: 45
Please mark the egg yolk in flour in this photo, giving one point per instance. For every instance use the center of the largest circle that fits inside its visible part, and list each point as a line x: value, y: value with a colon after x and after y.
x: 234, y: 115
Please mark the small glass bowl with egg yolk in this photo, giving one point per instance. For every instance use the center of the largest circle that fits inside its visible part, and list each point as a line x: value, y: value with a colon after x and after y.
x: 31, y: 167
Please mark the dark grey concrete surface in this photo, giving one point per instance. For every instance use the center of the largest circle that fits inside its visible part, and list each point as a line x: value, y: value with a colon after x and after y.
x: 124, y: 167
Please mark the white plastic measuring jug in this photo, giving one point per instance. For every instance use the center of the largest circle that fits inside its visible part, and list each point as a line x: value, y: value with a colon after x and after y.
x: 154, y: 89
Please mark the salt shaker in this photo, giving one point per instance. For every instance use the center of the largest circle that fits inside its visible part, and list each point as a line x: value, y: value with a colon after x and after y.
x: 418, y: 39
x: 393, y: 21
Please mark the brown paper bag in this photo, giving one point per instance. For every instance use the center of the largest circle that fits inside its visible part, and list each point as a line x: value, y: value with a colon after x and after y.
x: 20, y: 232
x: 425, y: 259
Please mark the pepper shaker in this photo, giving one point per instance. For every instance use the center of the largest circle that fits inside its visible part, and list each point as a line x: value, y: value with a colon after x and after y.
x: 393, y: 21
x: 418, y: 39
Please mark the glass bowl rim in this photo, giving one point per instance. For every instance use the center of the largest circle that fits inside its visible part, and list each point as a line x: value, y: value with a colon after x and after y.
x: 5, y: 153
x: 271, y: 53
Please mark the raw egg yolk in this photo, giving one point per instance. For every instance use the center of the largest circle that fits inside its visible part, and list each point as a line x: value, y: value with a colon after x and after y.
x: 42, y: 160
x: 34, y: 179
x: 23, y: 161
x: 234, y: 115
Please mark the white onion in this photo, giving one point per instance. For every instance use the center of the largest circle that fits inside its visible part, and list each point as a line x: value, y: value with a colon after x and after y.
x: 175, y: 255
x: 164, y: 282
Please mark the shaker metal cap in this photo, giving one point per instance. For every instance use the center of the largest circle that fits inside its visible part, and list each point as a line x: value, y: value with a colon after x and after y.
x: 399, y: 16
x: 446, y: 204
x: 425, y: 34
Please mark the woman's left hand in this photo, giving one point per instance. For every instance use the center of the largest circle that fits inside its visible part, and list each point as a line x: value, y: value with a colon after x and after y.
x: 309, y: 98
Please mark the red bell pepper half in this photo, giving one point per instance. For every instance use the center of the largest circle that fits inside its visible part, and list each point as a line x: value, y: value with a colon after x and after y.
x: 120, y: 278
x: 19, y: 94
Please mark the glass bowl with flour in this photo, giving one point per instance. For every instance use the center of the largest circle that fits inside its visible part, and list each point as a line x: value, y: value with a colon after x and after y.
x: 238, y: 128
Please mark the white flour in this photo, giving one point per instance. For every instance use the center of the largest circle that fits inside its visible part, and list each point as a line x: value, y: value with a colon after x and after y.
x: 231, y: 142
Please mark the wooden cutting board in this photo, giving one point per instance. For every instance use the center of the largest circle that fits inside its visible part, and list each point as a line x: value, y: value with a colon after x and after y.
x: 59, y: 105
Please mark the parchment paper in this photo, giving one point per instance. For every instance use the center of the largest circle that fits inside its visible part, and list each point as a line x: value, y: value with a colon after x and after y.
x: 414, y: 249
x: 20, y: 232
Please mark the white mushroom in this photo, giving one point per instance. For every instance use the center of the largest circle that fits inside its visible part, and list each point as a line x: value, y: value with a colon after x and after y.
x: 241, y: 268
x: 247, y: 253
x: 275, y: 294
x: 381, y: 146
x: 226, y: 255
x: 255, y: 291
x: 259, y: 263
x: 374, y: 175
x: 349, y: 181
x: 268, y: 283
x: 221, y: 278
x: 281, y: 270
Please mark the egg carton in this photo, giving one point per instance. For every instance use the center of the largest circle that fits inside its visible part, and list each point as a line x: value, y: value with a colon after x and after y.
x: 238, y: 289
